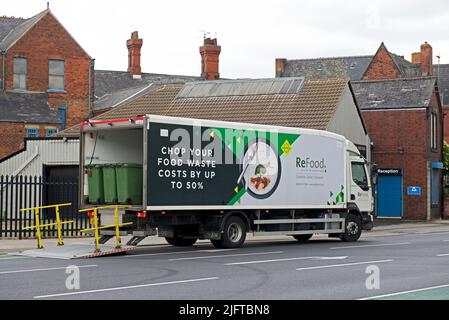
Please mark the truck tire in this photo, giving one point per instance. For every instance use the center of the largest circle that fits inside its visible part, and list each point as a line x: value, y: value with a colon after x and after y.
x: 353, y: 229
x: 234, y: 234
x: 303, y: 237
x: 181, y: 242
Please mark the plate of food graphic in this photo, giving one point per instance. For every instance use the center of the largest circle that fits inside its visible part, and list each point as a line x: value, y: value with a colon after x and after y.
x: 261, y: 169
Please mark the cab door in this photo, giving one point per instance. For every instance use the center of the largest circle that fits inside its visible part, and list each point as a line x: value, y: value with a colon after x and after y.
x: 361, y: 192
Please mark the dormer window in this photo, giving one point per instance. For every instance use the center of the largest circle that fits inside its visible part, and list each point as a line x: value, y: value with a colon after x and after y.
x: 20, y: 73
x: 56, y: 75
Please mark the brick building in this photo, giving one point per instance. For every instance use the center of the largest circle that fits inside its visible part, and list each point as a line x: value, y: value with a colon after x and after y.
x: 46, y: 79
x: 401, y: 104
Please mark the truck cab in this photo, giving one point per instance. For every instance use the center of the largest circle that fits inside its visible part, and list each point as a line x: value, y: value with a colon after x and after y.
x: 360, y: 186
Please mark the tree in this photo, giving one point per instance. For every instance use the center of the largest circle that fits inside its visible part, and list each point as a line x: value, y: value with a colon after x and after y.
x: 446, y: 158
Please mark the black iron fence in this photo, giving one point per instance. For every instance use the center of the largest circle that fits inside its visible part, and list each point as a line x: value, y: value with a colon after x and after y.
x: 21, y: 192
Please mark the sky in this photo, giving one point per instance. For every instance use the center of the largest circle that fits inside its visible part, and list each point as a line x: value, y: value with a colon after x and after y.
x: 252, y: 33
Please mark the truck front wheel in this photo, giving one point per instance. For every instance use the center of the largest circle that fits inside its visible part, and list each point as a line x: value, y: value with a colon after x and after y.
x: 234, y: 234
x: 181, y: 242
x: 353, y: 229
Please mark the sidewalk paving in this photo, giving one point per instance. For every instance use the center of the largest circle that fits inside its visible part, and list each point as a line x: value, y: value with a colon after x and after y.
x: 381, y: 229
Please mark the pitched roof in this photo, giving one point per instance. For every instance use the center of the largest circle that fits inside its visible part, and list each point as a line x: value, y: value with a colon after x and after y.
x: 313, y: 107
x: 353, y: 68
x: 442, y: 74
x: 406, y: 68
x: 113, y: 87
x: 26, y: 108
x: 394, y: 94
x: 7, y: 24
x: 328, y: 68
x: 17, y: 29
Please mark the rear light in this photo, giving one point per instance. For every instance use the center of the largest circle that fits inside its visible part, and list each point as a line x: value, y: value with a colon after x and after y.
x: 142, y: 214
x: 90, y: 214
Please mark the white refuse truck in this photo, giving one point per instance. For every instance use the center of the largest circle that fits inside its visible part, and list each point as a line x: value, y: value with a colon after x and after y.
x: 189, y: 179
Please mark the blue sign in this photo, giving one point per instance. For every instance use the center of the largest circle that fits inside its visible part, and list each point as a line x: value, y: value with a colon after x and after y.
x: 414, y: 191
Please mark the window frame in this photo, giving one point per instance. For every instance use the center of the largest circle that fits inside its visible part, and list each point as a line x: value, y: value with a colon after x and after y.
x: 62, y: 111
x: 25, y: 74
x: 32, y: 129
x: 50, y: 75
x: 433, y: 131
x: 365, y: 184
x: 53, y: 129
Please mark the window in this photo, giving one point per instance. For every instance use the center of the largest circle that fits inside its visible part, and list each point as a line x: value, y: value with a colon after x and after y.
x: 32, y: 132
x: 56, y: 75
x: 62, y: 116
x: 433, y: 131
x: 50, y: 132
x: 359, y: 174
x: 20, y: 73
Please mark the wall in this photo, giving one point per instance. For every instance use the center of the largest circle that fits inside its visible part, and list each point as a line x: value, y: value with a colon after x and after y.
x: 346, y: 121
x: 382, y: 67
x: 389, y: 132
x: 13, y: 135
x: 48, y: 39
x: 37, y: 153
x: 436, y: 155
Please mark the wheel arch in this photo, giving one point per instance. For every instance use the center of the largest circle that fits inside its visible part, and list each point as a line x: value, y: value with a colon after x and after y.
x: 241, y: 214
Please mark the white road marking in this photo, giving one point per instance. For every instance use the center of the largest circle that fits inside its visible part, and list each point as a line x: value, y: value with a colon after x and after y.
x: 228, y: 255
x: 124, y: 288
x: 443, y: 255
x: 45, y: 269
x: 332, y: 258
x: 343, y: 265
x: 404, y: 292
x: 281, y: 260
x: 372, y: 245
x: 176, y: 252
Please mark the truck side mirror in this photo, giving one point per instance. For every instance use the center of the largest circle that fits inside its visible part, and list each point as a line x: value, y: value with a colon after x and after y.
x: 374, y: 174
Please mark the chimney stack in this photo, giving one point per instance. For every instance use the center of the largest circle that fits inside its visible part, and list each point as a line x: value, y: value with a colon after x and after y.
x: 134, y: 45
x: 426, y: 59
x: 210, y: 52
x: 416, y: 58
x: 280, y: 67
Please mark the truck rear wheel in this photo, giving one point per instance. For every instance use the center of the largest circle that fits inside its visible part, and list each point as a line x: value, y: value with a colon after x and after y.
x: 234, y: 234
x: 303, y: 237
x: 353, y: 229
x: 181, y: 242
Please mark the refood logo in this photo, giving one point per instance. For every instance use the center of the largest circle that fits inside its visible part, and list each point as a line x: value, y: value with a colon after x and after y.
x: 308, y: 163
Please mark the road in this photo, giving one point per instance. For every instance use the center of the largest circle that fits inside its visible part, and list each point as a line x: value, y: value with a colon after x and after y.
x: 409, y: 267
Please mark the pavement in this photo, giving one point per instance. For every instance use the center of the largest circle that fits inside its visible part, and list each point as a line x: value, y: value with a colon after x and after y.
x: 381, y: 228
x: 405, y: 261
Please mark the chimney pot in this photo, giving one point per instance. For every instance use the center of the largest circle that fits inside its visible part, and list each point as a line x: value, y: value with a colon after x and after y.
x: 210, y: 52
x: 134, y: 45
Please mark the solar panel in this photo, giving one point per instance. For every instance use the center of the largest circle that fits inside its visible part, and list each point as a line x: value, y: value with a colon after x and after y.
x: 232, y: 88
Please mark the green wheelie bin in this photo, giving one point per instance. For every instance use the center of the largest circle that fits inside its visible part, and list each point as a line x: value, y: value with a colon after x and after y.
x: 129, y: 183
x: 109, y: 184
x: 95, y: 184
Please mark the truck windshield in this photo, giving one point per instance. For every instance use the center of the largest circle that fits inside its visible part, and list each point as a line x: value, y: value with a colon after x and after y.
x: 359, y: 174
